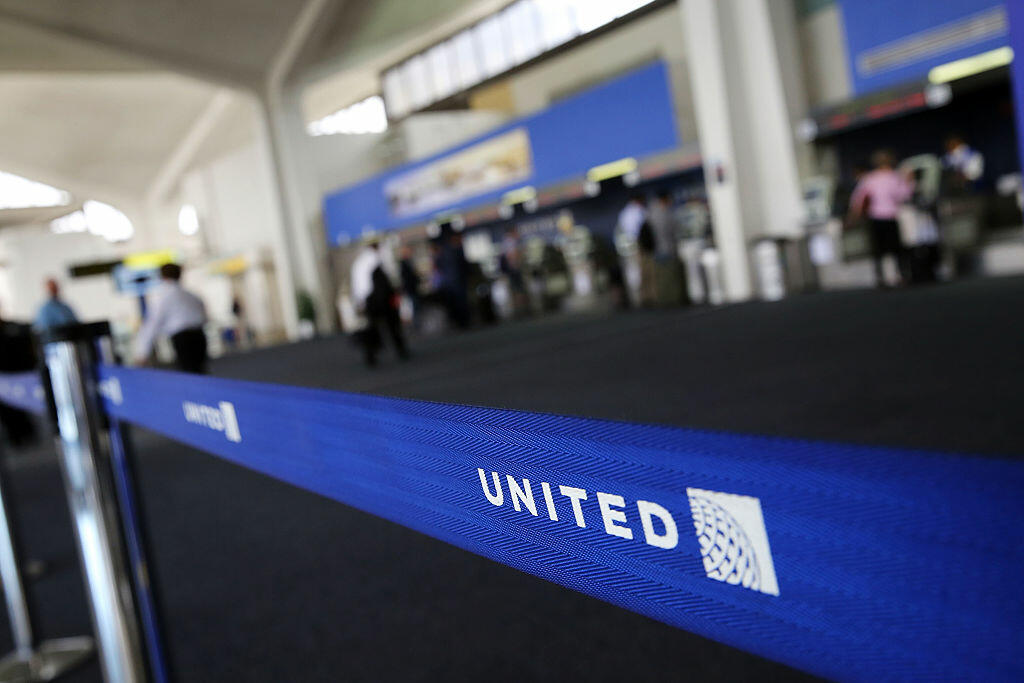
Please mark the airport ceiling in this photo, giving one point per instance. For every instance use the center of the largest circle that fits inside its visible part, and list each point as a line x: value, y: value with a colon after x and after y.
x: 233, y: 42
x: 97, y: 130
x: 98, y: 94
x: 234, y: 39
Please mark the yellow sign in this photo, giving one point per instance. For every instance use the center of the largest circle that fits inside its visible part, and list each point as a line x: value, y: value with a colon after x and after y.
x: 612, y: 169
x: 523, y: 194
x: 229, y: 266
x: 145, y: 260
x: 962, y: 68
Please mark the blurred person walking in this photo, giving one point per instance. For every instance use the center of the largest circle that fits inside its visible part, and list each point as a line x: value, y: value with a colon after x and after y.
x: 966, y: 164
x: 453, y: 277
x: 410, y: 283
x: 179, y: 315
x: 879, y: 195
x: 633, y: 216
x: 962, y: 206
x: 511, y: 266
x: 376, y: 297
x: 663, y: 223
x: 237, y: 335
x: 639, y: 273
x: 670, y: 272
x: 54, y: 313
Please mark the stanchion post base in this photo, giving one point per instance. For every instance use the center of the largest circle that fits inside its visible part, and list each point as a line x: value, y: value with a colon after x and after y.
x: 50, y: 660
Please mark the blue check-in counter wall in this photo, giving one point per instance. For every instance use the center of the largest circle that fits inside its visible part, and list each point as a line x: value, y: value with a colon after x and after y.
x: 1015, y: 10
x: 892, y: 43
x: 629, y: 116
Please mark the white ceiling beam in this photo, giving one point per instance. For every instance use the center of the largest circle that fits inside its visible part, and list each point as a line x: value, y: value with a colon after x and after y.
x: 298, y: 37
x: 185, y: 151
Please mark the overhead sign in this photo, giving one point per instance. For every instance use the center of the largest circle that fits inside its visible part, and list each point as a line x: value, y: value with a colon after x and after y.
x: 891, y: 43
x: 144, y: 260
x: 489, y: 165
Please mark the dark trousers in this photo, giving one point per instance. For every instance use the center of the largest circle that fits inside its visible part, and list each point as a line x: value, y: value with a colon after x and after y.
x: 190, y: 350
x: 924, y: 261
x: 457, y: 304
x: 885, y: 239
x: 372, y: 339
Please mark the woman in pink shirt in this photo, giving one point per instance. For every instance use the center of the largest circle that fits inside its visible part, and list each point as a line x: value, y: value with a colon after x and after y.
x: 878, y: 195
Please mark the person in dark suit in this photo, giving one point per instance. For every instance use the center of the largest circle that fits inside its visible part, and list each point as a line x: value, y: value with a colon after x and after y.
x: 410, y: 283
x: 378, y: 299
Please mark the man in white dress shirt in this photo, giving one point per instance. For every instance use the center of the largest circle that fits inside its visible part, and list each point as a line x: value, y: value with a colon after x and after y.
x: 361, y: 273
x: 639, y: 268
x: 179, y: 315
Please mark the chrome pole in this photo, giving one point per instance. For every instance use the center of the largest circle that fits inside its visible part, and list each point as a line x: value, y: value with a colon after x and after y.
x: 30, y: 661
x: 133, y: 525
x: 70, y: 356
x: 14, y: 588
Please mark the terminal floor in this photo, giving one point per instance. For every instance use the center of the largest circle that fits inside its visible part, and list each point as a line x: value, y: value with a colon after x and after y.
x: 264, y: 582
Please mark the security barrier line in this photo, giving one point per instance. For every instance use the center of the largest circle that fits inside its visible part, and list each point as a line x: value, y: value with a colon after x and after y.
x: 23, y: 390
x: 845, y: 561
x: 32, y: 659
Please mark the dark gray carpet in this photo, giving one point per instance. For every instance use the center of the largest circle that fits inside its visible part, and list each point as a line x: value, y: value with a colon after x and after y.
x: 264, y: 582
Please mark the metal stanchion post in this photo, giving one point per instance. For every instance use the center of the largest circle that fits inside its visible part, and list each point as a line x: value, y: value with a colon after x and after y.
x: 30, y: 661
x: 133, y: 526
x: 70, y: 355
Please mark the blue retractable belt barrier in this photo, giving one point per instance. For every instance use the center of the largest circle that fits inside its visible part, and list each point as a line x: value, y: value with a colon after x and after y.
x: 849, y: 562
x: 23, y: 390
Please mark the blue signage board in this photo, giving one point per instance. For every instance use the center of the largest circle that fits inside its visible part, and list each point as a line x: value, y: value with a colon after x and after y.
x: 1016, y: 17
x: 629, y: 116
x: 135, y: 281
x: 894, y: 42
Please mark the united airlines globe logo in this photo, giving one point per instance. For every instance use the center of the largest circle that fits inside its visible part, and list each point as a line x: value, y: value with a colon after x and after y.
x: 733, y: 541
x: 726, y: 550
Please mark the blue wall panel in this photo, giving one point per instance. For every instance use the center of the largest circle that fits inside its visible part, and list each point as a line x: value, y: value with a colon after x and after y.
x: 873, y: 23
x: 629, y: 116
x: 1016, y: 13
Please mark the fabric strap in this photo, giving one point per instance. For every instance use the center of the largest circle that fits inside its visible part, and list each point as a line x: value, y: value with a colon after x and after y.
x: 844, y: 561
x: 23, y: 390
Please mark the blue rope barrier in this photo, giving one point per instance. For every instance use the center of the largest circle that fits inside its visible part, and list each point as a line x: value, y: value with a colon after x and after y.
x: 23, y: 390
x: 849, y: 562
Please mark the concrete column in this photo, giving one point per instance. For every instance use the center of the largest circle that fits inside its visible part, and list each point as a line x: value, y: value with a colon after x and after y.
x: 298, y: 194
x: 298, y: 198
x: 744, y: 123
x: 759, y: 25
x: 715, y: 123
